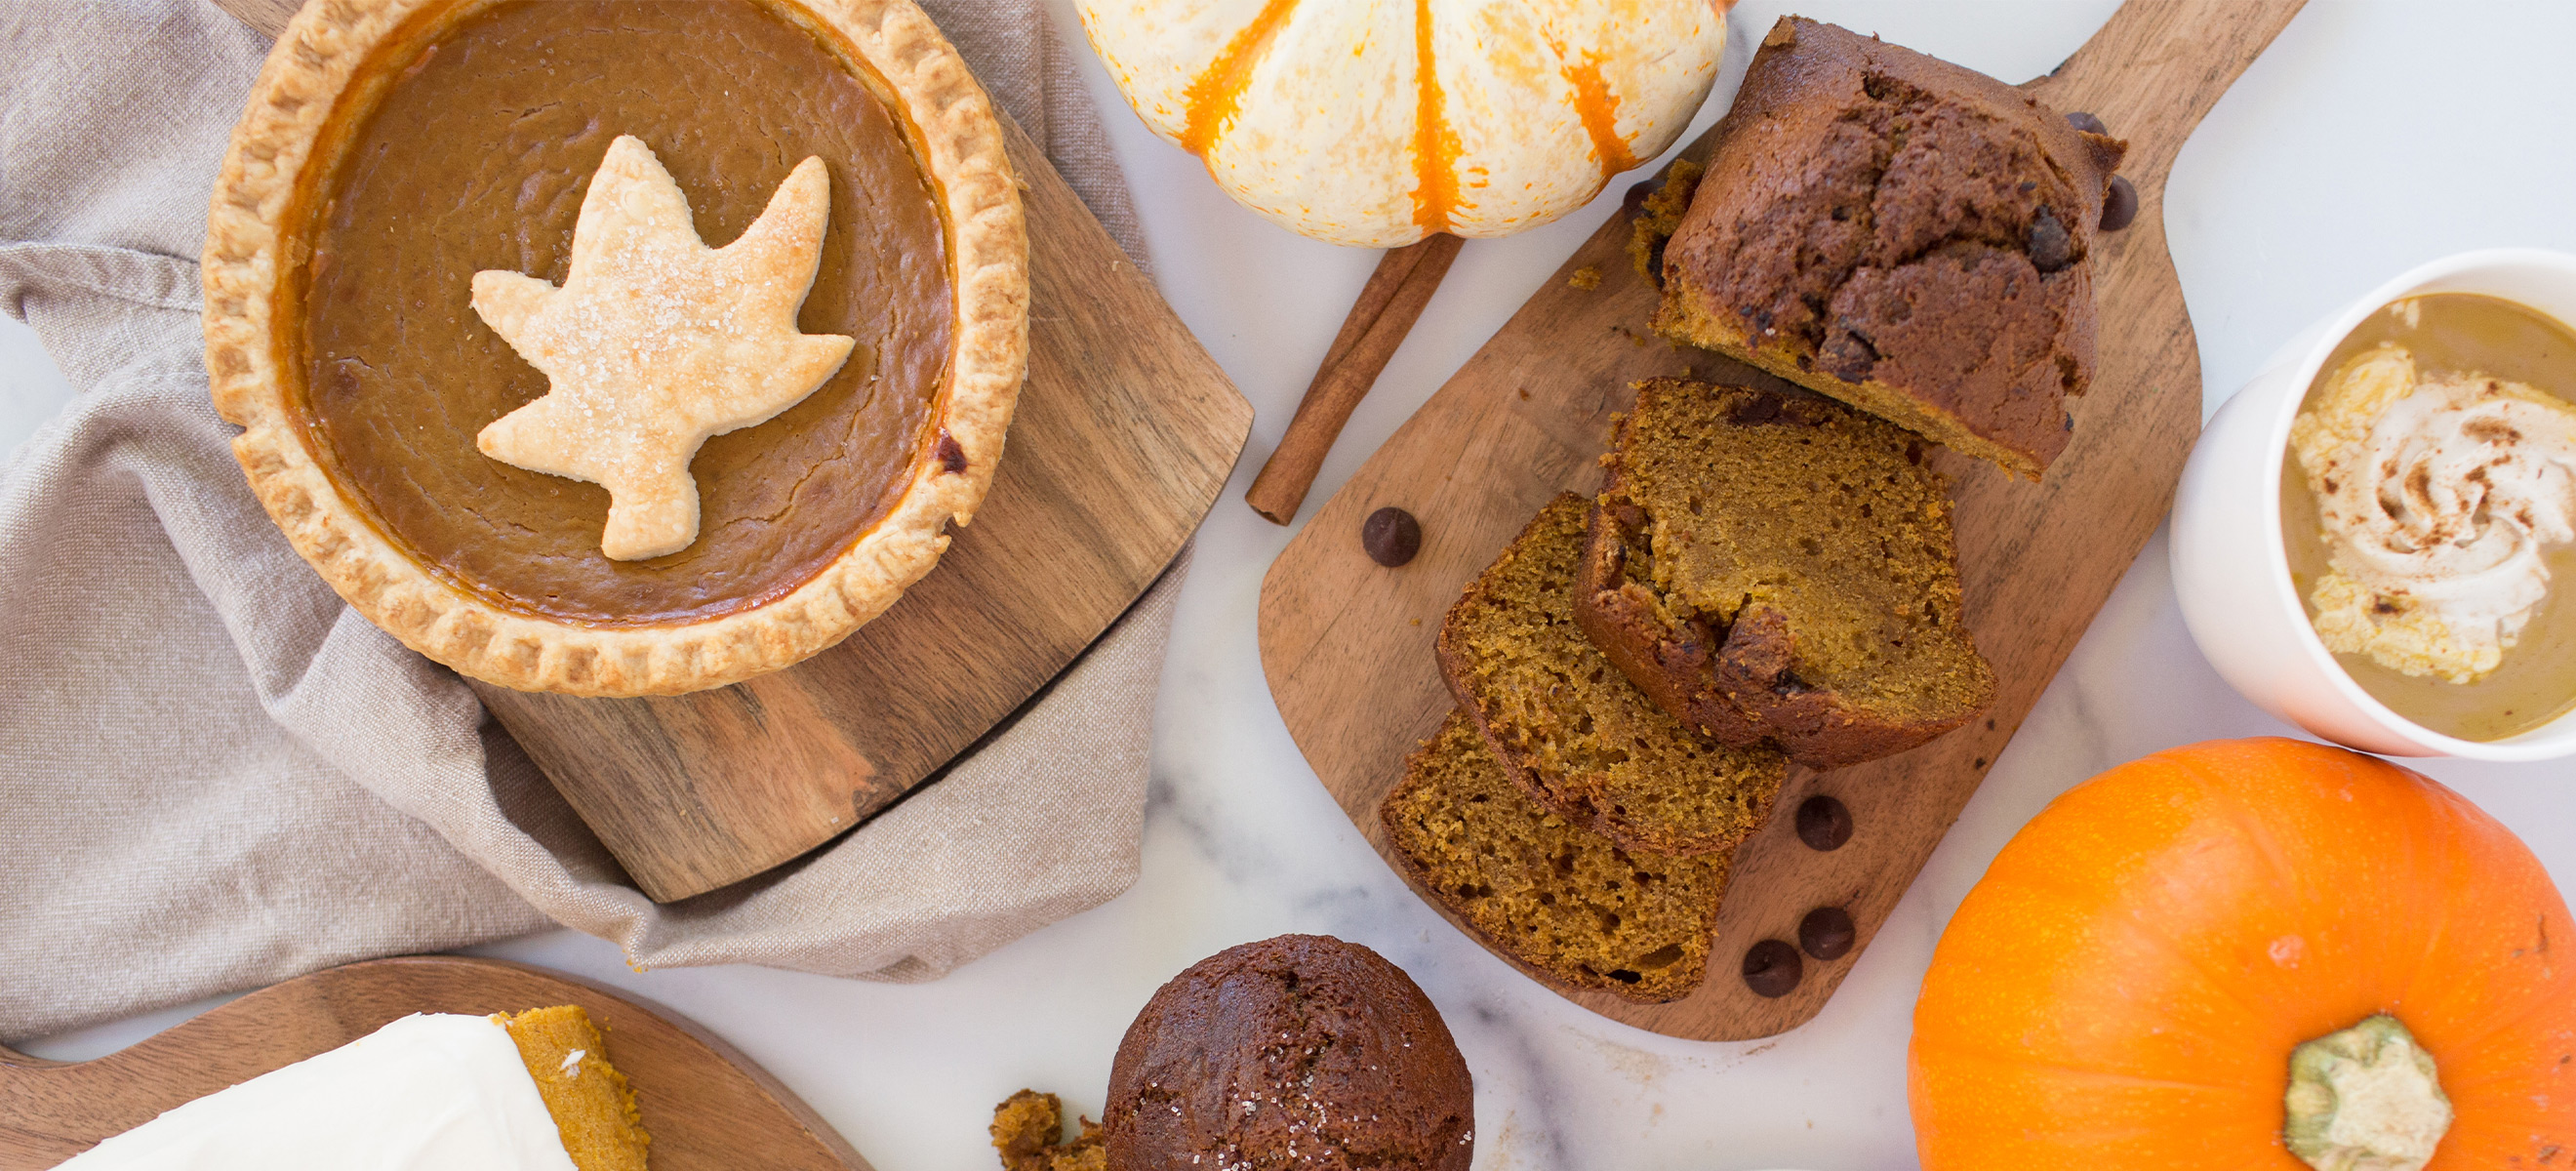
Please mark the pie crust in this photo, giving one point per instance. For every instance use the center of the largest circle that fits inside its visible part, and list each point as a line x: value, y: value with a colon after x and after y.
x: 954, y: 131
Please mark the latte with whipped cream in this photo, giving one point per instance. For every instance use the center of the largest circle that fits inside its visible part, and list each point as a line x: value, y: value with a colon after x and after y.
x: 2431, y: 508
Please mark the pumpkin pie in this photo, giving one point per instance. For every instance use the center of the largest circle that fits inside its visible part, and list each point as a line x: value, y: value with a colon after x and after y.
x: 612, y: 347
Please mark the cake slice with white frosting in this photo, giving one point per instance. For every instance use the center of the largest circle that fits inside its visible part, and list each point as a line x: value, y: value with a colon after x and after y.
x: 429, y: 1092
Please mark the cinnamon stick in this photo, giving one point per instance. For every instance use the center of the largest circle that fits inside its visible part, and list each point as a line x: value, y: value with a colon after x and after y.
x: 1385, y: 312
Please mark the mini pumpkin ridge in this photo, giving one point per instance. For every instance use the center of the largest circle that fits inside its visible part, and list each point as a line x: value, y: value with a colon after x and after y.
x: 1479, y: 129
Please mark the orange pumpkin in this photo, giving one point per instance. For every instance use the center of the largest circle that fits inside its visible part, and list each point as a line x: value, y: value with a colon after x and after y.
x: 2126, y: 986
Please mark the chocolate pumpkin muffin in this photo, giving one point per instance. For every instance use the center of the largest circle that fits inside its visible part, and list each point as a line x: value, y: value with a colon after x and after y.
x: 1903, y: 234
x: 1779, y: 569
x: 1569, y: 904
x: 1300, y: 1052
x: 1570, y: 728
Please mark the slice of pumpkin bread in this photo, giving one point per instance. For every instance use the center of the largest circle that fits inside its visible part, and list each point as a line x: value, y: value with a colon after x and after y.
x: 1567, y: 903
x: 1570, y: 728
x: 1780, y: 569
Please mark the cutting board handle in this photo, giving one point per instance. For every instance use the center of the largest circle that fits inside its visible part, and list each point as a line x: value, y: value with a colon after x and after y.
x: 2157, y: 67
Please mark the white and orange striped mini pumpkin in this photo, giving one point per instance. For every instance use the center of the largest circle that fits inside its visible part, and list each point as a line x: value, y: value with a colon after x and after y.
x: 1378, y: 122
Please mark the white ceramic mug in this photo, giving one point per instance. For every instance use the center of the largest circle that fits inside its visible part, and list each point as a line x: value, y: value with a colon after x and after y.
x: 2232, y: 571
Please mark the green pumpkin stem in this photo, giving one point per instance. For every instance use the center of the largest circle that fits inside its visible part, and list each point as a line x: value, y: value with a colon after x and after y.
x: 2365, y: 1099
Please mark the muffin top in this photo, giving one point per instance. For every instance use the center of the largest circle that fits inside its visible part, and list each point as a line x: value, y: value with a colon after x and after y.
x: 1296, y: 1052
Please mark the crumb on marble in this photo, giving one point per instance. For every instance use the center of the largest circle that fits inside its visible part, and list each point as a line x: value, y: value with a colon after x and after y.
x: 1028, y: 1131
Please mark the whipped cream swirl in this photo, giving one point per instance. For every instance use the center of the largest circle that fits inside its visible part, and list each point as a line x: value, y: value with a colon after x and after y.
x: 2437, y: 496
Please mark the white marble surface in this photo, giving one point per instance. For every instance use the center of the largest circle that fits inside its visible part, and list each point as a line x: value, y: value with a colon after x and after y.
x: 2371, y: 136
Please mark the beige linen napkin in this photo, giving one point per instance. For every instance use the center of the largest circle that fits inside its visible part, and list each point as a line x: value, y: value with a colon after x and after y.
x: 214, y: 776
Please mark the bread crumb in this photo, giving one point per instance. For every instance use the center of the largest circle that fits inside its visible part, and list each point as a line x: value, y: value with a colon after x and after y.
x: 1586, y: 278
x: 1660, y: 216
x: 1028, y: 1131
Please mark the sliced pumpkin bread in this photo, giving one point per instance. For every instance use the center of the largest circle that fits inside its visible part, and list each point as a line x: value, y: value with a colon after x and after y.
x: 1780, y: 569
x: 1566, y: 902
x: 1570, y: 728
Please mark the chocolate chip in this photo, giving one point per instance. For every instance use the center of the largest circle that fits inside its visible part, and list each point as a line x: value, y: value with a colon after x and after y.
x: 1847, y: 355
x: 1824, y: 823
x: 2051, y: 249
x: 951, y: 456
x: 2088, y: 123
x: 1772, y: 968
x: 1391, y: 536
x: 1635, y: 197
x: 2119, y: 205
x: 1754, y: 410
x: 1827, y: 933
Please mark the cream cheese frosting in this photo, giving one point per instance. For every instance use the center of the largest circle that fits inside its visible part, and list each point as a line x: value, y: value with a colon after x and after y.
x: 425, y: 1093
x: 2438, y: 495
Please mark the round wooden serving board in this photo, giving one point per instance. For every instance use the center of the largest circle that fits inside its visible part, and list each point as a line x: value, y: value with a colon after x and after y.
x: 708, y: 1107
x: 1347, y: 645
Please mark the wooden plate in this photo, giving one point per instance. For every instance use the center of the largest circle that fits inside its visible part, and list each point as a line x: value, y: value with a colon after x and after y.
x: 1347, y: 645
x: 708, y: 1107
x: 1125, y: 433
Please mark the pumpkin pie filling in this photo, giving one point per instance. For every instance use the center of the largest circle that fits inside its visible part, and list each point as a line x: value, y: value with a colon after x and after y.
x: 476, y: 157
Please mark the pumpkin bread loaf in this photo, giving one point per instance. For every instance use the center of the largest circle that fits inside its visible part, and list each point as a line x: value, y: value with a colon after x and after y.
x: 1903, y: 234
x: 1570, y: 729
x: 1567, y: 903
x: 1779, y: 569
x: 1299, y: 1052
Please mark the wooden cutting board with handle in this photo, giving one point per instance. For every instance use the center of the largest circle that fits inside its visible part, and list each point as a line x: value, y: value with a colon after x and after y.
x: 1125, y: 433
x: 707, y: 1107
x: 1347, y: 644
